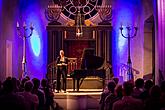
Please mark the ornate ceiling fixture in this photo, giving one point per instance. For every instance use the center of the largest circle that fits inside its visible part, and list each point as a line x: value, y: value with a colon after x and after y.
x: 79, y: 11
x: 88, y: 9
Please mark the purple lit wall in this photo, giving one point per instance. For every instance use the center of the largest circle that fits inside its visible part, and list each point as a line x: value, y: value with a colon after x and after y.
x: 0, y: 17
x: 32, y: 11
x: 8, y: 14
x: 28, y: 11
x: 0, y: 36
x: 160, y: 40
x: 126, y: 12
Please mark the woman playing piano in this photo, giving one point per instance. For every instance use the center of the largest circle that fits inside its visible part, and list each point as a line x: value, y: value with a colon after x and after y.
x: 61, y: 62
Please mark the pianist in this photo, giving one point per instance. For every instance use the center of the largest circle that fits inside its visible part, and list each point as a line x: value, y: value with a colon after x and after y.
x: 61, y: 62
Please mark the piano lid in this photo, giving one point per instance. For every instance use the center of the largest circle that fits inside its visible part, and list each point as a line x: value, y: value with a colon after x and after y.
x: 90, y: 60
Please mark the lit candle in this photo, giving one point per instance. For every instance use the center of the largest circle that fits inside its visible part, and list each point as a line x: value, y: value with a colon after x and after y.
x: 17, y: 24
x: 135, y: 24
x: 24, y: 24
x: 31, y: 25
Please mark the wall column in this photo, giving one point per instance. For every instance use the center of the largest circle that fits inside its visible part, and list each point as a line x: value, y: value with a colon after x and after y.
x: 160, y: 42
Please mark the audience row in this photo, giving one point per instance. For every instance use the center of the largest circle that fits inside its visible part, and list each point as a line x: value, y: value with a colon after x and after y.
x: 31, y: 95
x: 26, y: 94
x: 138, y: 95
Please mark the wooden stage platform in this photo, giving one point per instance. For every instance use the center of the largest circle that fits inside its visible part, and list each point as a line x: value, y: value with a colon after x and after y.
x: 85, y: 99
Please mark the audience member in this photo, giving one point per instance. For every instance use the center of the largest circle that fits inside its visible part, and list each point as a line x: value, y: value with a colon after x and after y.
x: 111, y: 86
x: 145, y: 94
x: 14, y: 82
x: 39, y: 93
x: 163, y: 94
x: 9, y: 100
x: 128, y: 102
x: 138, y: 89
x: 21, y: 87
x: 111, y: 98
x: 28, y: 96
x: 27, y: 77
x: 31, y: 99
x: 153, y: 102
x: 48, y: 94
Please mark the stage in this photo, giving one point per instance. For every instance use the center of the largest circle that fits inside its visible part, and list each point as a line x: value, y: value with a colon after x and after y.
x: 84, y: 99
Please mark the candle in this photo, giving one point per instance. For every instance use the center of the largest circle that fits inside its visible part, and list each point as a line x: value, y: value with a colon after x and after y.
x: 17, y: 24
x: 31, y: 25
x: 24, y: 24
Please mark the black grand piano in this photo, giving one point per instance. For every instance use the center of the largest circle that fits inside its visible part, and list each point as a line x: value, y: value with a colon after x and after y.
x: 89, y: 67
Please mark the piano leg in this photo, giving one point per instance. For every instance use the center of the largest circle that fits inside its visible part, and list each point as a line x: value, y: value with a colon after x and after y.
x: 73, y: 84
x: 78, y: 79
x: 103, y: 83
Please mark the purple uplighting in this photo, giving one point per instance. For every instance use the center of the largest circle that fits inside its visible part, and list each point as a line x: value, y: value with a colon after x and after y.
x: 36, y: 44
x: 161, y: 36
x: 82, y: 54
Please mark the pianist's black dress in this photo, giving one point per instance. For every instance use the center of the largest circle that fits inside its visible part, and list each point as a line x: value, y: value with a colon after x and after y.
x: 61, y: 70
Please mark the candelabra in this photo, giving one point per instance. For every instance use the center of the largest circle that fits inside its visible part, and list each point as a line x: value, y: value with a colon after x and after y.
x: 105, y: 13
x: 129, y: 62
x: 53, y: 12
x: 22, y: 34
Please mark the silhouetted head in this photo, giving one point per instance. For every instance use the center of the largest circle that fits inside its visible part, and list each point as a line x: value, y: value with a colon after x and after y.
x: 14, y: 82
x: 148, y: 84
x: 127, y: 88
x: 111, y: 86
x: 44, y: 82
x: 139, y: 83
x: 23, y: 82
x: 8, y: 86
x: 27, y: 77
x: 36, y: 83
x: 28, y: 86
x: 155, y: 91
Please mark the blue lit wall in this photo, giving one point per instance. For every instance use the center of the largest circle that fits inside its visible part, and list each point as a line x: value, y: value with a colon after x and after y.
x: 0, y: 4
x: 32, y: 12
x: 125, y: 12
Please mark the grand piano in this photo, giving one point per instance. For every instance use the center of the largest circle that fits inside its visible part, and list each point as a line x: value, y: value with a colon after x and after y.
x: 89, y: 67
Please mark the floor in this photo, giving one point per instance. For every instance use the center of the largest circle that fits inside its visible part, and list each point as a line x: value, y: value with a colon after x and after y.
x: 84, y: 99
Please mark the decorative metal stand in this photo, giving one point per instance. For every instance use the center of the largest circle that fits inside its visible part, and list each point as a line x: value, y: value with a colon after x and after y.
x: 129, y: 62
x: 53, y: 12
x: 105, y: 13
x: 22, y: 34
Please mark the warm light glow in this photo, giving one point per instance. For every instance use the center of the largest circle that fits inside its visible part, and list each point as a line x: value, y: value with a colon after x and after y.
x: 79, y: 32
